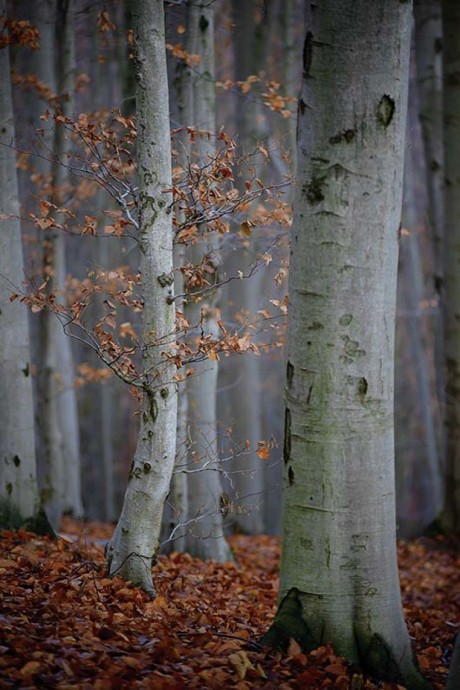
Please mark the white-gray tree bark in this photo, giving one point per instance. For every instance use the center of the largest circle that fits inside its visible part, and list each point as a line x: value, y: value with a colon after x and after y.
x: 426, y: 460
x: 205, y: 538
x: 19, y: 499
x: 176, y: 514
x: 428, y: 57
x: 339, y: 578
x: 244, y: 387
x: 136, y: 538
x: 59, y: 417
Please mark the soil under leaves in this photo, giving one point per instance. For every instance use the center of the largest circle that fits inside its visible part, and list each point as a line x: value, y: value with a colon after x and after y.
x: 64, y: 624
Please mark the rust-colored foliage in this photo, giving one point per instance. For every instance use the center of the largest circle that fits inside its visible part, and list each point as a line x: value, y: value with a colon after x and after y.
x: 65, y: 625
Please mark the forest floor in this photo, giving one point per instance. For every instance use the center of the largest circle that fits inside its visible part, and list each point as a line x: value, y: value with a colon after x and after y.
x: 64, y: 624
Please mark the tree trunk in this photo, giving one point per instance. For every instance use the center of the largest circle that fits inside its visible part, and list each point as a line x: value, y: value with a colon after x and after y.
x: 59, y: 417
x: 428, y: 56
x: 176, y: 514
x: 244, y: 397
x: 453, y: 679
x: 339, y: 577
x: 425, y: 489
x: 136, y: 538
x: 205, y: 538
x: 19, y: 499
x: 451, y: 283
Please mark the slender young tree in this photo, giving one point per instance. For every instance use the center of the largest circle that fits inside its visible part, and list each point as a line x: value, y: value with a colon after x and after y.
x: 244, y: 396
x: 206, y: 537
x: 58, y: 410
x: 428, y: 61
x: 428, y: 56
x: 339, y: 578
x: 451, y: 282
x: 19, y: 499
x: 135, y: 541
x: 176, y: 515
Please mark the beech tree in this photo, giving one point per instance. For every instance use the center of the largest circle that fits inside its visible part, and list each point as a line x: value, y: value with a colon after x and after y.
x: 339, y: 577
x: 428, y: 60
x: 451, y: 263
x: 19, y: 498
x: 58, y: 412
x: 135, y: 541
x: 428, y: 55
x: 206, y: 537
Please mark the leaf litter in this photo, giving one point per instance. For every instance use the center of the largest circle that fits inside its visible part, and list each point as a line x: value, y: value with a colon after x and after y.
x: 64, y: 624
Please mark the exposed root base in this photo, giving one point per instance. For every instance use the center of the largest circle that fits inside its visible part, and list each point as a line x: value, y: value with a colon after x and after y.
x: 375, y: 657
x: 132, y: 568
x: 10, y: 518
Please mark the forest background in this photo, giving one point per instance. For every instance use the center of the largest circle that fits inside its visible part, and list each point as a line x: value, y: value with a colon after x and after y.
x: 80, y: 257
x: 257, y: 77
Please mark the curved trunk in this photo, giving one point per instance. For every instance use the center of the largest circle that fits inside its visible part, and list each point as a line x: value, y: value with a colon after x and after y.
x: 136, y: 538
x: 339, y: 577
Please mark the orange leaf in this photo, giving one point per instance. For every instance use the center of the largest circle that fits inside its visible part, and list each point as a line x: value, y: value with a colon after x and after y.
x: 293, y: 648
x: 30, y: 668
x: 241, y: 664
x: 263, y: 454
x: 336, y: 669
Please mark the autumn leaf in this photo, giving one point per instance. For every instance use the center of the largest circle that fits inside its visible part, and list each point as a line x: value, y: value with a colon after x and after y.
x: 293, y: 648
x: 30, y: 668
x: 245, y: 229
x: 263, y: 453
x: 336, y: 669
x: 241, y: 664
x: 76, y: 627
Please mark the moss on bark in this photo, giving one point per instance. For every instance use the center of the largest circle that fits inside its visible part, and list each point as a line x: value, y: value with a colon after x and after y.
x: 11, y: 518
x: 374, y: 655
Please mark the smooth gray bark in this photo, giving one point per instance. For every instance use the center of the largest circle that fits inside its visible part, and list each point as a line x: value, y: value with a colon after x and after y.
x: 244, y: 397
x: 428, y: 55
x: 39, y: 62
x: 59, y: 417
x: 428, y: 60
x: 339, y: 578
x: 19, y: 499
x: 427, y: 460
x: 136, y: 538
x: 176, y: 514
x: 451, y: 263
x: 205, y: 538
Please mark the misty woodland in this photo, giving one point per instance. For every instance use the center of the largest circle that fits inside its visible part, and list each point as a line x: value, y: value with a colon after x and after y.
x: 230, y: 344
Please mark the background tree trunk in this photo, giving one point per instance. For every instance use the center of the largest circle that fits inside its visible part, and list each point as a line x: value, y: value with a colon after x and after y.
x: 339, y: 579
x: 136, y: 538
x: 19, y: 499
x: 59, y: 417
x: 451, y: 282
x: 420, y: 501
x: 243, y: 380
x: 428, y: 57
x: 205, y: 538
